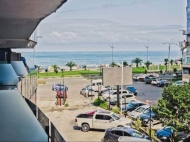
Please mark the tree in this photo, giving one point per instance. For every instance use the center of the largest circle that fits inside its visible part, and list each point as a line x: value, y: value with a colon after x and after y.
x: 172, y: 108
x: 62, y: 70
x: 71, y: 64
x: 181, y: 60
x: 113, y: 64
x: 46, y: 70
x: 171, y: 62
x: 137, y: 61
x: 125, y: 64
x: 147, y: 63
x: 166, y: 63
x: 84, y: 67
x: 55, y: 68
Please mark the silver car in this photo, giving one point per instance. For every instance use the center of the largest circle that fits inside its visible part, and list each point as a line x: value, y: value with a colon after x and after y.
x: 138, y: 111
x: 87, y: 91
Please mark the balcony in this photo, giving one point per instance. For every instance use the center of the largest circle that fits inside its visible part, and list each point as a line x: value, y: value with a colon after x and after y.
x: 186, y: 32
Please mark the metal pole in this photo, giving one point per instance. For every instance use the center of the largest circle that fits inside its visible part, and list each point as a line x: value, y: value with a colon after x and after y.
x: 98, y: 94
x: 125, y: 107
x: 121, y: 86
x: 118, y: 96
x: 109, y: 99
x: 150, y: 120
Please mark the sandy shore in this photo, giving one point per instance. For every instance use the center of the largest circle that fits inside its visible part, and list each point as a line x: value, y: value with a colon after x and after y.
x: 63, y: 117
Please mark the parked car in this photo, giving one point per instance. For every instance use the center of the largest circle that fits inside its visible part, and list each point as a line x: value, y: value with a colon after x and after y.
x: 95, y: 85
x: 113, y: 93
x: 131, y: 106
x: 155, y: 81
x: 60, y: 92
x: 162, y: 83
x: 166, y: 133
x: 148, y: 80
x: 113, y: 134
x: 147, y: 118
x: 57, y: 86
x: 131, y: 89
x: 125, y: 99
x: 177, y: 74
x: 186, y: 139
x: 138, y: 111
x: 132, y: 139
x: 101, y: 120
x: 135, y: 77
x: 141, y: 77
x: 177, y: 83
x: 87, y: 91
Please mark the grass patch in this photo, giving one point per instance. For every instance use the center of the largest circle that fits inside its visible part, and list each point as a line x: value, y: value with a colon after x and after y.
x: 68, y: 73
x: 138, y: 70
x: 100, y: 103
x: 41, y: 82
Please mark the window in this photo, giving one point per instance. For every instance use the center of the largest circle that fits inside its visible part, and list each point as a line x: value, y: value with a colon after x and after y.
x: 115, y: 116
x: 128, y: 96
x: 119, y: 133
x: 126, y: 134
x: 99, y: 83
x: 100, y: 117
x: 107, y: 117
x: 113, y: 132
x: 140, y: 109
x: 136, y: 134
x: 93, y: 84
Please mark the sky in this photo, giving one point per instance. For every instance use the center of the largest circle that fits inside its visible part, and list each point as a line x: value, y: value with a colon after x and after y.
x: 128, y: 25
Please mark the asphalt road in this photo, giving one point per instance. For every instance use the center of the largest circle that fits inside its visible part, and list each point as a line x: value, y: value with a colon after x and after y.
x: 147, y: 91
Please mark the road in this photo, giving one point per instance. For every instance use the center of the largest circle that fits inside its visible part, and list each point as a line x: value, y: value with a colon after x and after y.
x: 147, y: 91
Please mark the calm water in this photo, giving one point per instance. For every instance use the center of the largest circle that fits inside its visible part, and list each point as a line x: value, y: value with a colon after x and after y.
x: 46, y: 59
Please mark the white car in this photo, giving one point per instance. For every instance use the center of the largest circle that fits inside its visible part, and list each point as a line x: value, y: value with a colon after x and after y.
x: 125, y: 99
x: 138, y: 111
x: 113, y: 93
x: 87, y: 91
x: 177, y: 83
x: 155, y: 81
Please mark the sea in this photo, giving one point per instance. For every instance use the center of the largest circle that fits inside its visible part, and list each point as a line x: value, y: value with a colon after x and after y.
x: 93, y: 58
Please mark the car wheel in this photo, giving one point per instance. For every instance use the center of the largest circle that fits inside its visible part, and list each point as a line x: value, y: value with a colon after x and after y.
x: 108, y: 140
x: 85, y: 127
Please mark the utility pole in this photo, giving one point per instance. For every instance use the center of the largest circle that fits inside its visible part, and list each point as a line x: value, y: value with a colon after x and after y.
x: 147, y: 52
x: 112, y: 52
x: 169, y: 51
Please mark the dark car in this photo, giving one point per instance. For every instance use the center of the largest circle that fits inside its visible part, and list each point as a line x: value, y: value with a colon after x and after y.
x: 131, y: 106
x: 132, y: 89
x: 166, y: 133
x: 148, y: 80
x: 147, y: 118
x: 112, y: 134
x: 162, y: 83
x: 187, y: 138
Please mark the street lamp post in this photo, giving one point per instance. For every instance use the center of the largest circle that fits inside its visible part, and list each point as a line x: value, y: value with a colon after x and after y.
x: 169, y: 51
x: 147, y: 52
x: 112, y: 52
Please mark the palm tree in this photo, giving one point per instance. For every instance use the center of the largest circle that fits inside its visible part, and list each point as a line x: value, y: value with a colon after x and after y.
x: 125, y: 64
x: 171, y: 62
x: 46, y: 70
x: 39, y: 68
x: 84, y: 67
x: 71, y: 64
x: 181, y: 60
x: 166, y: 63
x: 147, y: 63
x: 137, y: 61
x: 113, y: 64
x: 55, y: 68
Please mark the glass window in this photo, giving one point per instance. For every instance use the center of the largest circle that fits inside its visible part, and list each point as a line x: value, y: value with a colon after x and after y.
x: 136, y: 134
x: 113, y: 132
x: 107, y: 117
x: 100, y: 117
x: 128, y: 96
x: 115, y: 116
x: 119, y: 133
x: 126, y: 134
x: 140, y: 109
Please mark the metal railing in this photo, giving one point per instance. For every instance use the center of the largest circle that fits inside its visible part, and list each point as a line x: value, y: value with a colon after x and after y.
x: 51, y: 131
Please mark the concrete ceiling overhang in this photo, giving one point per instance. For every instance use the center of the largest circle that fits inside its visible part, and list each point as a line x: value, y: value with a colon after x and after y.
x: 19, y: 18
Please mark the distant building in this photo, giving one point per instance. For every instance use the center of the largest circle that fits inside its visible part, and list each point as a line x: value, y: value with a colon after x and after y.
x: 185, y: 48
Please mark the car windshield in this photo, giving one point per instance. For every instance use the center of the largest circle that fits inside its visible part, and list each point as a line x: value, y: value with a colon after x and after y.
x: 137, y: 134
x: 168, y: 129
x: 130, y: 105
x: 115, y: 116
x: 140, y: 109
